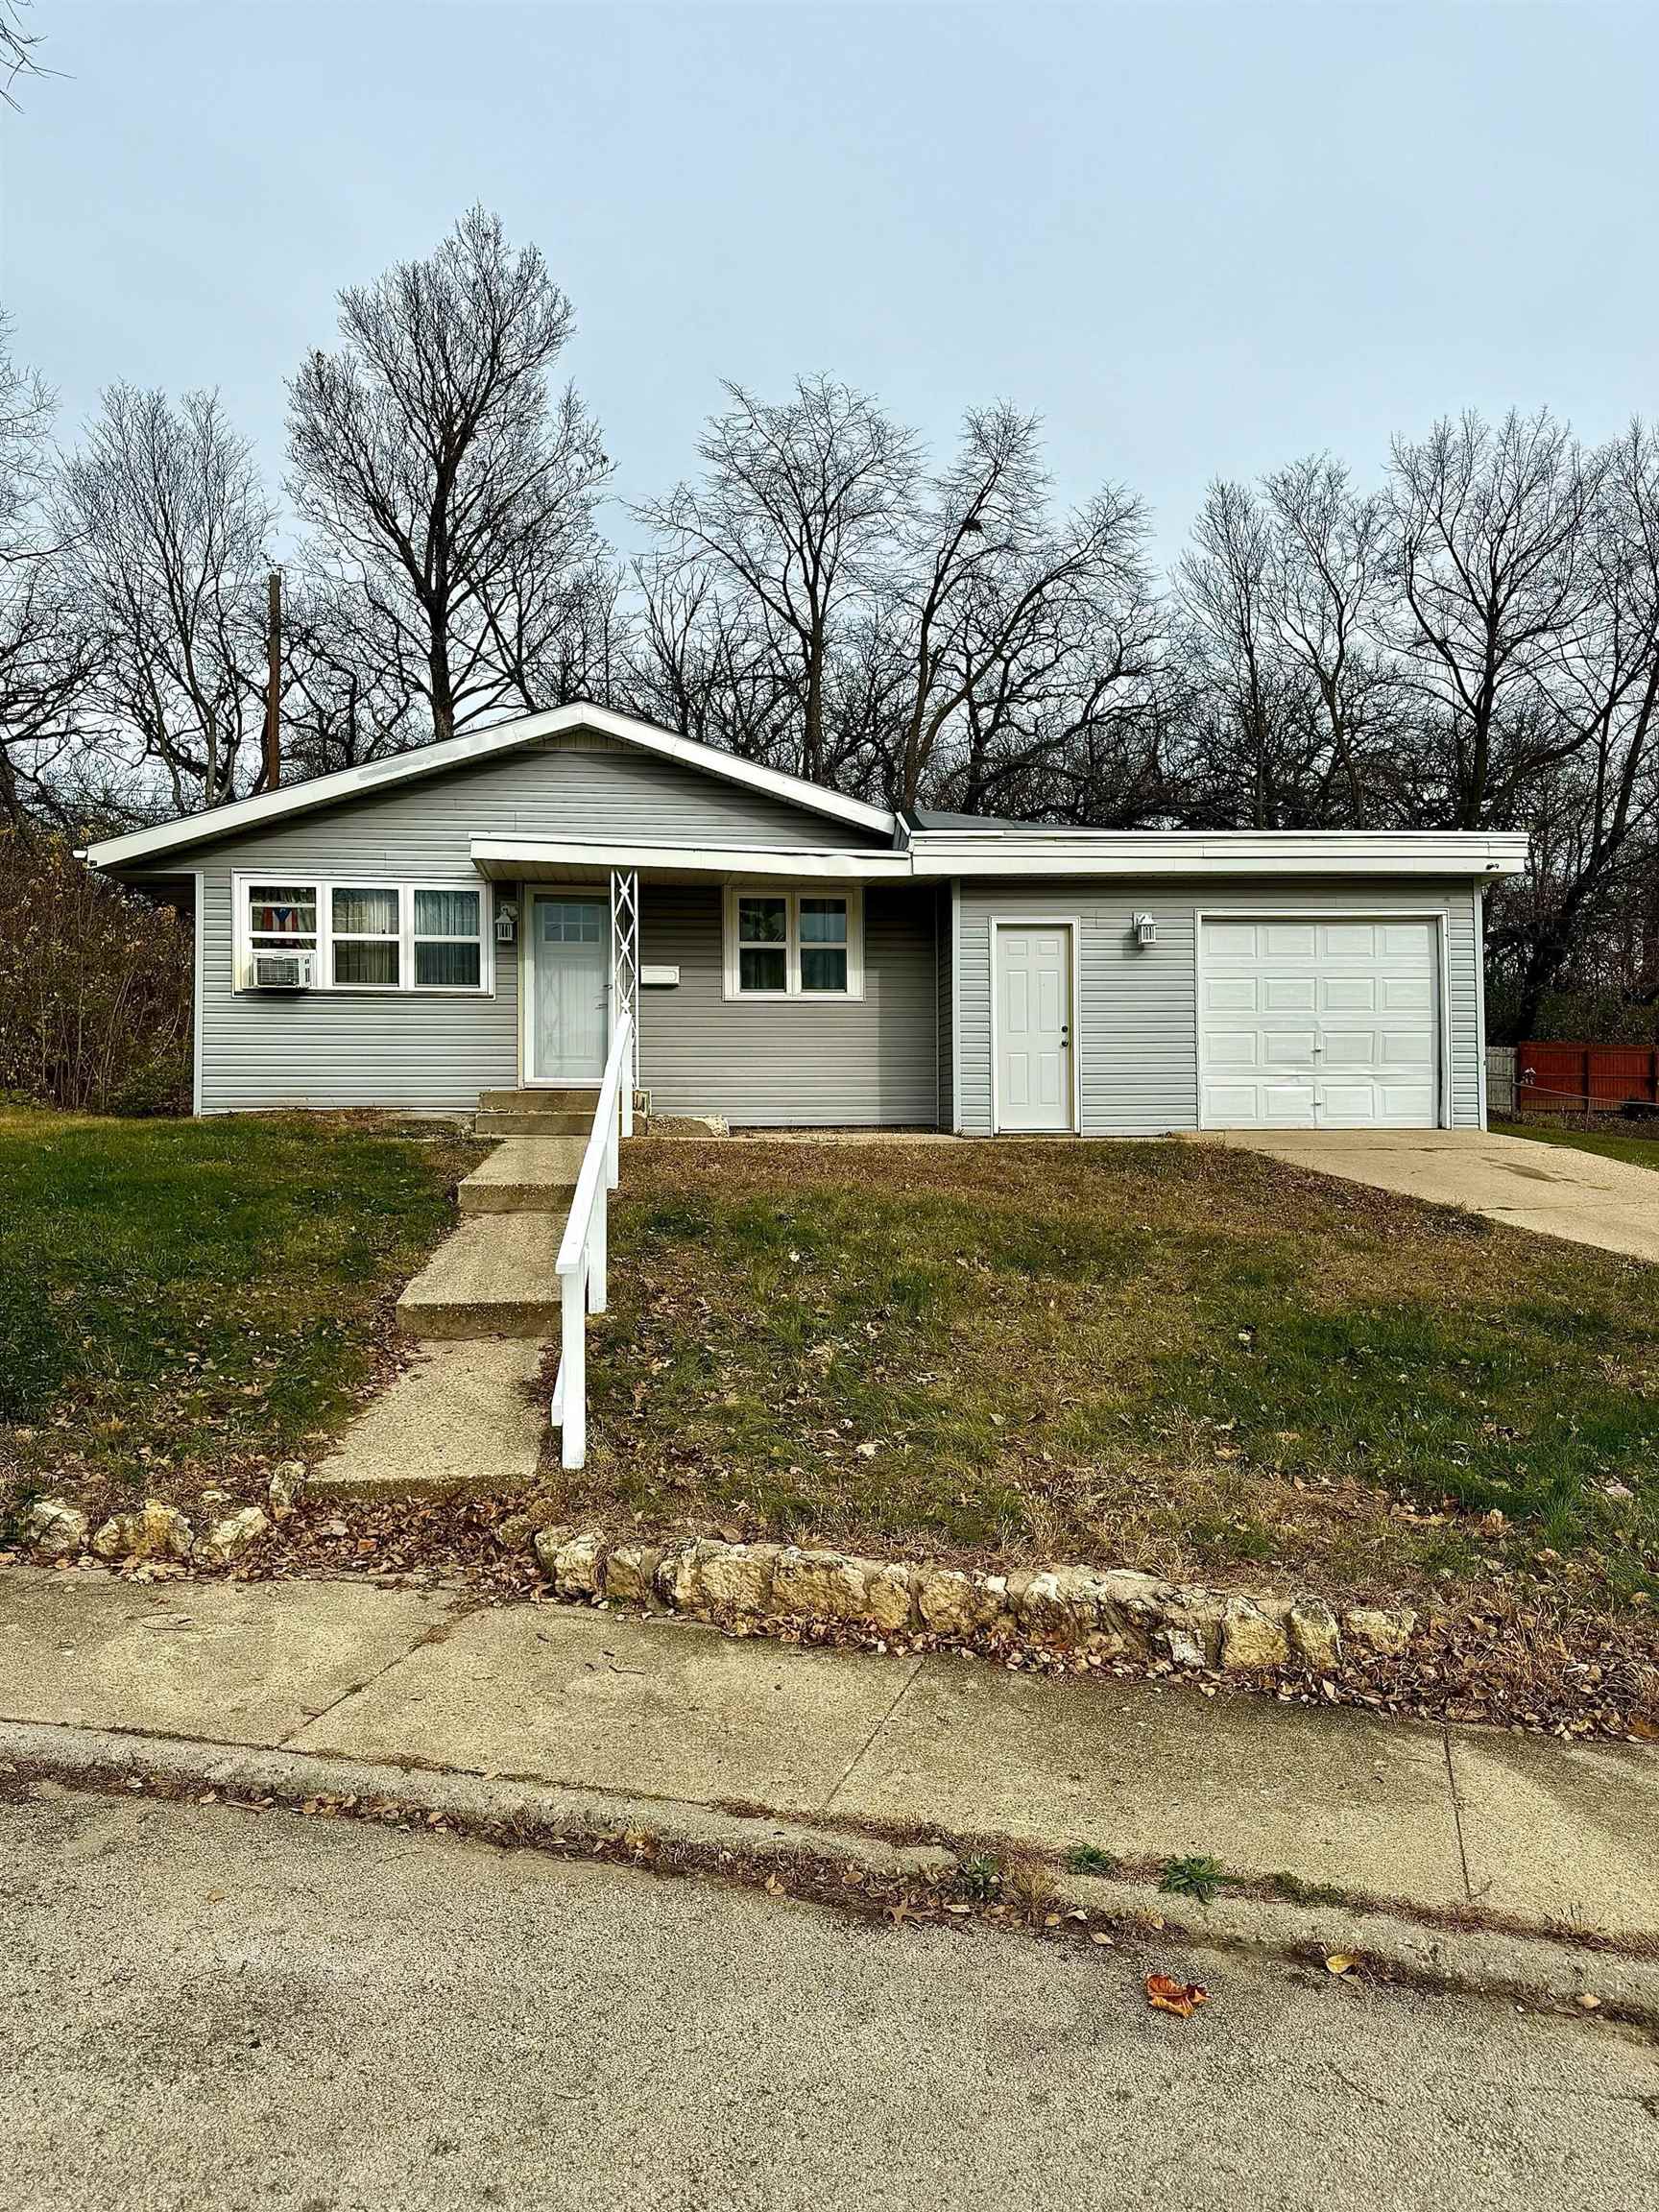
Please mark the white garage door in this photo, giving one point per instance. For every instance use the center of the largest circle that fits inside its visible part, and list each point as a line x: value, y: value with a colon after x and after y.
x: 1318, y: 1024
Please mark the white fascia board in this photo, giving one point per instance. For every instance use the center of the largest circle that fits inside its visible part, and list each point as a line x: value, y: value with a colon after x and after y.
x: 1134, y: 852
x: 478, y: 745
x: 545, y: 859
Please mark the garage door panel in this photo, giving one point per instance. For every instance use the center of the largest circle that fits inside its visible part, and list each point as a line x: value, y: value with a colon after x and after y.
x: 1259, y: 1105
x: 1351, y: 1048
x: 1412, y: 1049
x: 1288, y: 1049
x: 1406, y: 1105
x: 1409, y: 939
x: 1287, y: 940
x: 1348, y: 941
x: 1288, y: 1104
x: 1334, y: 1023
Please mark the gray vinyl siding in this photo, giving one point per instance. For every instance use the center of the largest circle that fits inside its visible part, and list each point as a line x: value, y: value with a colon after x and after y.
x: 414, y: 1051
x: 1137, y: 1050
x: 435, y: 1054
x: 768, y: 1063
x: 944, y: 1012
x: 597, y: 788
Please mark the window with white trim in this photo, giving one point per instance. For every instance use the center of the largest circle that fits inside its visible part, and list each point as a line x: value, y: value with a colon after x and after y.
x: 449, y: 938
x: 794, y: 944
x: 282, y: 917
x: 367, y: 935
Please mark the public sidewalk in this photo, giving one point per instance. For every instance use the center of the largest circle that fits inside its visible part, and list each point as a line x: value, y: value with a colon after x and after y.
x: 665, y: 1711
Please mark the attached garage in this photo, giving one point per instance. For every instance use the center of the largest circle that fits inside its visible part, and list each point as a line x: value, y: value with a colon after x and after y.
x: 1311, y: 1022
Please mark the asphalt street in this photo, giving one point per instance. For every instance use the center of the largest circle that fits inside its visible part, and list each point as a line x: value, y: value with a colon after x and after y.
x: 206, y: 2008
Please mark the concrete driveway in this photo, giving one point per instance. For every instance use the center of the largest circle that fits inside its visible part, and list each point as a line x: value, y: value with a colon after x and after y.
x: 1549, y: 1187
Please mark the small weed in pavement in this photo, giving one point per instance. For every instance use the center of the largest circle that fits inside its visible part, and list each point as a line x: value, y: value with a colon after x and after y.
x: 1090, y: 1859
x: 1199, y: 1877
x: 980, y: 1879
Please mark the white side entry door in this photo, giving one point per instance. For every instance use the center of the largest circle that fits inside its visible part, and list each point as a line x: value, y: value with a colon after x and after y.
x: 1032, y: 998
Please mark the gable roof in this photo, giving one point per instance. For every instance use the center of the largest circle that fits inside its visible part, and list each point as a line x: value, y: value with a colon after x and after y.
x: 451, y: 753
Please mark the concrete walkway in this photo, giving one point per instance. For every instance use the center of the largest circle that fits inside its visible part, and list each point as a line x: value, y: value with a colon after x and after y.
x: 463, y: 1415
x: 461, y: 1419
x: 665, y: 1711
x: 1548, y: 1188
x: 495, y: 1276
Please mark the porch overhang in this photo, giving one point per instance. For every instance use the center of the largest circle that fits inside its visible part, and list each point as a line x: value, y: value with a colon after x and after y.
x: 562, y: 860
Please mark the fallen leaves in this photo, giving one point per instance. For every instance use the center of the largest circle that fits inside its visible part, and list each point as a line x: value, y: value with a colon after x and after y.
x: 1338, y: 1962
x: 1164, y: 1994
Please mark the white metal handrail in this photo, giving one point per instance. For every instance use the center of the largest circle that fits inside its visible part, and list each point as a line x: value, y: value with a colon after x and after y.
x: 582, y: 1270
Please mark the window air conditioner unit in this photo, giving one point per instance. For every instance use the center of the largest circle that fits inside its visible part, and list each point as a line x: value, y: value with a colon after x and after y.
x: 282, y: 971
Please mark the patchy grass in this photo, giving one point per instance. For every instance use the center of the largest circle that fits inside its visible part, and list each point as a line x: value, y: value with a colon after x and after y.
x: 180, y: 1298
x: 1186, y: 1357
x: 1636, y: 1151
x: 1198, y: 1876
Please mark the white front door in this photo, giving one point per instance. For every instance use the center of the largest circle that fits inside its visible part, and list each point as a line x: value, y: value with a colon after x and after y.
x: 1319, y: 1024
x: 571, y: 989
x: 1033, y: 998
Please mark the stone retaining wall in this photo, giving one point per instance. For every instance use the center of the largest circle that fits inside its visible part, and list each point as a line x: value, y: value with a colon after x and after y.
x: 1115, y: 1611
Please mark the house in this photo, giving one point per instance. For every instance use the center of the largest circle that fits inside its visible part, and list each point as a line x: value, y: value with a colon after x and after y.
x: 470, y: 917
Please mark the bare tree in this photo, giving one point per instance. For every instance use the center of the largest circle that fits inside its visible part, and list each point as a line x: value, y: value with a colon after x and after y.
x: 19, y: 48
x: 441, y: 481
x: 1490, y: 531
x: 344, y: 701
x: 1000, y: 607
x: 1592, y: 811
x: 47, y: 654
x: 702, y: 662
x: 168, y: 527
x: 1326, y: 579
x: 792, y: 521
x: 1251, y: 743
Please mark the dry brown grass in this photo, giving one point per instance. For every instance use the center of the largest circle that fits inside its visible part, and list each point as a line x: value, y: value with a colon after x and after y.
x: 1192, y: 1358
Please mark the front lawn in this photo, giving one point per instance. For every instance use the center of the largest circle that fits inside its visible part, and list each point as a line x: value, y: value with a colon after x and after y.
x: 1611, y: 1144
x: 1179, y: 1357
x: 181, y: 1300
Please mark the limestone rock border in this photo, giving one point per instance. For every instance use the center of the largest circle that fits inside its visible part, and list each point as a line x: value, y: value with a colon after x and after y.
x: 1115, y: 1612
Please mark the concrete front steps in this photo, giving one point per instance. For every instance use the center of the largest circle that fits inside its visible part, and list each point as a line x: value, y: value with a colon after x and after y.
x: 497, y: 1276
x: 534, y: 1174
x: 534, y: 1113
x: 512, y: 1121
x: 538, y: 1113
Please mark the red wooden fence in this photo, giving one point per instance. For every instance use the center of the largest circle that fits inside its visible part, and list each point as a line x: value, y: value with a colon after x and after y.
x: 1585, y: 1078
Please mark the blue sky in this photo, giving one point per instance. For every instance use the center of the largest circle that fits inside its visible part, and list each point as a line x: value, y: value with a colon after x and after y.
x: 1194, y: 239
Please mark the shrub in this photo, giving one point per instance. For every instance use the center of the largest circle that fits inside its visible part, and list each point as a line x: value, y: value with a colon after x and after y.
x: 95, y: 984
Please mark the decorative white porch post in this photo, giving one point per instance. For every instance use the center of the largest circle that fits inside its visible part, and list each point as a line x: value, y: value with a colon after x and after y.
x: 625, y: 976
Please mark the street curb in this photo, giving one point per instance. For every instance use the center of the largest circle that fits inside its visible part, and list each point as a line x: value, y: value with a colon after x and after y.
x: 1536, y: 1967
x: 95, y: 1755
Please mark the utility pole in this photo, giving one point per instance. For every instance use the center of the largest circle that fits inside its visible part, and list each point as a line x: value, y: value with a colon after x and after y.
x: 274, y: 681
